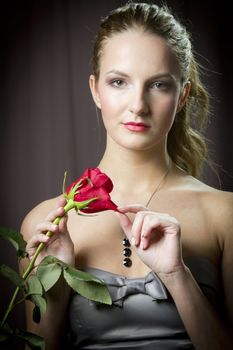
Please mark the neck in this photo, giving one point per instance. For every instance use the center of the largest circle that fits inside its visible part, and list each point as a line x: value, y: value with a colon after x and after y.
x: 136, y: 171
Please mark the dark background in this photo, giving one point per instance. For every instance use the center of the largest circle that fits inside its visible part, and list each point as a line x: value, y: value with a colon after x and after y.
x: 48, y: 121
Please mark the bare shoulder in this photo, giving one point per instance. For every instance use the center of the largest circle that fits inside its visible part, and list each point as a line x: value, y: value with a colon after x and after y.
x: 218, y: 205
x: 216, y: 200
x: 37, y: 215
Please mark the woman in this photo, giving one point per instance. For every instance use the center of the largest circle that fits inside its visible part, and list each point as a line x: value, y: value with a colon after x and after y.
x: 175, y: 267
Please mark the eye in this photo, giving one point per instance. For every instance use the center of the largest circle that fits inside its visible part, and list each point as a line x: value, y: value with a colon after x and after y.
x: 158, y: 85
x: 161, y: 85
x: 117, y: 82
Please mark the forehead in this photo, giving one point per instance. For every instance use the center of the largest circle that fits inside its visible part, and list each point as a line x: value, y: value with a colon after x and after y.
x: 135, y: 49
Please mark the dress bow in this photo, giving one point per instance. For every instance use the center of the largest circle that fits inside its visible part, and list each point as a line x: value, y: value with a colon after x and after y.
x: 120, y: 287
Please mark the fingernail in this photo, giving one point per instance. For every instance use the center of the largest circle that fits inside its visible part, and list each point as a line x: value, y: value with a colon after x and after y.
x: 54, y: 227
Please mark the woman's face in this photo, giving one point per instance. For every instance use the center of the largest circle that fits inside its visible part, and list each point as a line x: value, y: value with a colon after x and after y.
x: 138, y: 90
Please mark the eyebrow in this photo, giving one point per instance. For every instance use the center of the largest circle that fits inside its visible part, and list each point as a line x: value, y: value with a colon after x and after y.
x: 115, y: 71
x: 155, y: 76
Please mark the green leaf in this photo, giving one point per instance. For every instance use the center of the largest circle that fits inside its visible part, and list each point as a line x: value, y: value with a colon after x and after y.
x: 84, y: 283
x: 87, y: 285
x: 82, y: 276
x: 39, y: 301
x: 48, y: 272
x: 12, y: 275
x: 16, y: 239
x: 32, y: 340
x: 34, y: 285
x: 5, y: 332
x: 49, y: 259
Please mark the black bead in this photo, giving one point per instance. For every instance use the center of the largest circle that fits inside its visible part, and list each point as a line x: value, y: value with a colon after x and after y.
x: 127, y: 252
x: 126, y: 242
x: 127, y: 262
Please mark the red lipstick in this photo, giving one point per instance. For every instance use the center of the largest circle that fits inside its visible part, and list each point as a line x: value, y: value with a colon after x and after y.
x: 138, y: 127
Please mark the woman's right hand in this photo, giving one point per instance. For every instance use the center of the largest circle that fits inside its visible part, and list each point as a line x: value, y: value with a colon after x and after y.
x: 60, y: 244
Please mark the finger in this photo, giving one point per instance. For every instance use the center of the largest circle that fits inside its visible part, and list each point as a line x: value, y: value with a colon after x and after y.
x: 63, y: 225
x: 132, y: 208
x: 62, y: 201
x: 34, y: 242
x: 137, y: 228
x: 150, y: 230
x: 46, y: 226
x: 58, y: 212
x: 125, y: 223
x: 156, y: 226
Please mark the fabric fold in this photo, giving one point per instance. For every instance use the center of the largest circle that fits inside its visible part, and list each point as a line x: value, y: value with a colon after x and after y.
x: 123, y: 287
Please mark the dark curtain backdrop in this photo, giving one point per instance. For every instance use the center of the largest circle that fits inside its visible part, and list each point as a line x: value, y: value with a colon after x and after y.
x: 47, y: 118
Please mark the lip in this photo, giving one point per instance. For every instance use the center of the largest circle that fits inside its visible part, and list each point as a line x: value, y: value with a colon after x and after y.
x: 138, y: 127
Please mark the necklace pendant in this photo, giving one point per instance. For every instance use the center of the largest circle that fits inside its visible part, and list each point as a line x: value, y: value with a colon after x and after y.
x: 127, y: 252
x: 126, y: 242
x: 127, y: 262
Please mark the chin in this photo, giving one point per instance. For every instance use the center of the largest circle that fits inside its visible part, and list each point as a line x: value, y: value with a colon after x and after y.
x: 137, y: 146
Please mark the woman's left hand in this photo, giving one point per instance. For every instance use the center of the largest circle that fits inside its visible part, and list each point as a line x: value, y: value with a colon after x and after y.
x: 156, y: 237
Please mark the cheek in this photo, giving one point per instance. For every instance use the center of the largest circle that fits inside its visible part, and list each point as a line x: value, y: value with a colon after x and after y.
x: 107, y: 109
x: 167, y: 111
x: 109, y: 104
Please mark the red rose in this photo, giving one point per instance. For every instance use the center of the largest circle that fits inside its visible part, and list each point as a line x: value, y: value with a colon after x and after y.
x: 89, y: 194
x: 93, y: 184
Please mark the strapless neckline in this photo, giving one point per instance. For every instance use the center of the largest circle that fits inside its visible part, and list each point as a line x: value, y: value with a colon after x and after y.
x: 142, y: 316
x: 203, y: 270
x: 188, y: 260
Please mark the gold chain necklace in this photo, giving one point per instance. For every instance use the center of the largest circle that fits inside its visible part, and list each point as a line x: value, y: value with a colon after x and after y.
x: 127, y: 262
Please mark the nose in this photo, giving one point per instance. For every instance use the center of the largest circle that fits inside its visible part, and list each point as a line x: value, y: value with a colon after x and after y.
x: 138, y: 103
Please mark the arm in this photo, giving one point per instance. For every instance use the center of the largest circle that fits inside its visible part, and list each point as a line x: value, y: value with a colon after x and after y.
x: 157, y: 242
x: 203, y: 324
x: 52, y: 324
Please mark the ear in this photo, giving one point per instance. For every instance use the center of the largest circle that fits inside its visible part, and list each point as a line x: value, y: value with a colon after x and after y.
x: 183, y: 96
x: 94, y: 90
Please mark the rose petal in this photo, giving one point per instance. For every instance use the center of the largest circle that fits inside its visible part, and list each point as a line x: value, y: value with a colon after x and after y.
x: 99, y: 187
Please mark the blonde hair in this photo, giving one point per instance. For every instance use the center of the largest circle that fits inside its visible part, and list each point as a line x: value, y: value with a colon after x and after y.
x: 186, y: 146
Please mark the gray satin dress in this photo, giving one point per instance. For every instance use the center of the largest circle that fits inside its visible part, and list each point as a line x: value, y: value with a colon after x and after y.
x: 142, y: 316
